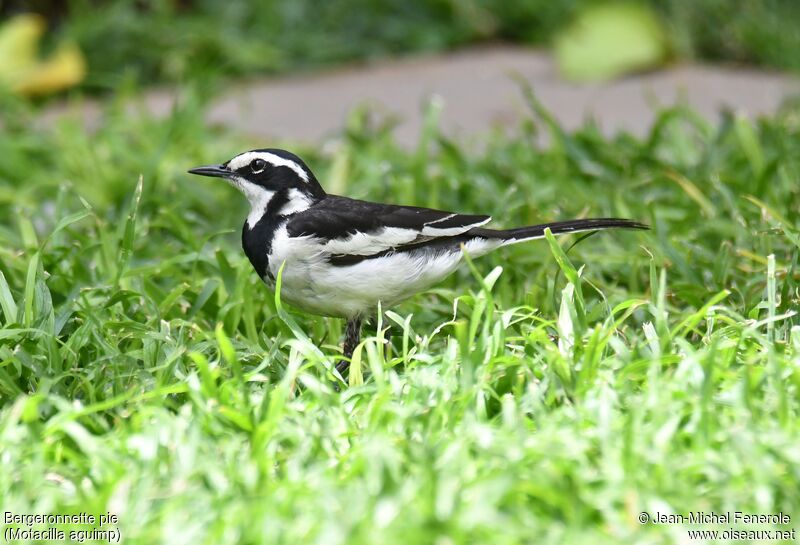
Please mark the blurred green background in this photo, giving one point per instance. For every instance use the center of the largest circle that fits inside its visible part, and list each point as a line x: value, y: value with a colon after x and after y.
x: 149, y: 41
x: 145, y: 370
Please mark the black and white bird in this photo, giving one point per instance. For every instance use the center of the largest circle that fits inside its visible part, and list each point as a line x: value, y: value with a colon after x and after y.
x: 342, y: 256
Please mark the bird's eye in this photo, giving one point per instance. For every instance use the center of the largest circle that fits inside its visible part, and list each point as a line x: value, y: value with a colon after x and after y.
x: 258, y: 165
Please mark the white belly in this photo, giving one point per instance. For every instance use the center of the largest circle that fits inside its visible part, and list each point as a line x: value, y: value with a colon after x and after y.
x: 311, y: 283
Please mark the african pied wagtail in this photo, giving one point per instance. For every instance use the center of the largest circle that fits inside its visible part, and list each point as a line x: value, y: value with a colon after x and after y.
x: 342, y: 255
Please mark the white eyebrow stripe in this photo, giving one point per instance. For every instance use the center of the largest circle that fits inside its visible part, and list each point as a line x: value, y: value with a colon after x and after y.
x: 245, y: 158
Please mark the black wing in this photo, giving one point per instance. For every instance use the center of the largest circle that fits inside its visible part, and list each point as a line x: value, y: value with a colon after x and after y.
x: 350, y: 226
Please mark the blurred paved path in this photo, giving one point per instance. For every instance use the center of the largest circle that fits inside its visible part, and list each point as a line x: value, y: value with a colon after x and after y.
x: 478, y: 91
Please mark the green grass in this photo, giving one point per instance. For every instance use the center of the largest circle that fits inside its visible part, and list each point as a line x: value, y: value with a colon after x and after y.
x: 535, y: 397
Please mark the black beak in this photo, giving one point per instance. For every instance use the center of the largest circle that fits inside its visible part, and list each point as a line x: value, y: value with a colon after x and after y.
x: 215, y: 171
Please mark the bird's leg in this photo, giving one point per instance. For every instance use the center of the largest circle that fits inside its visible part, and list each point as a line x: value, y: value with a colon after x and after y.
x: 352, y: 336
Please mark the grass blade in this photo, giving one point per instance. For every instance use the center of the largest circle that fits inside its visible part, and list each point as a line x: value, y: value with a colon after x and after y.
x: 7, y: 303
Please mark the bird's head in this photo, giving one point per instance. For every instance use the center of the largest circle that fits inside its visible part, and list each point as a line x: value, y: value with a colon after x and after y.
x: 274, y: 181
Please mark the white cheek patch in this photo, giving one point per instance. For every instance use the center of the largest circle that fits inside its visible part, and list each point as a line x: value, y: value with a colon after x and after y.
x: 246, y: 158
x: 257, y: 196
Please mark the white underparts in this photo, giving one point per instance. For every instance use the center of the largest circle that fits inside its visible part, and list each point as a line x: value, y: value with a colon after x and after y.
x: 314, y: 284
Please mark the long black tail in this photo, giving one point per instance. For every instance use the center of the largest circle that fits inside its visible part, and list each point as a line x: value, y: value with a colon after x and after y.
x: 521, y: 234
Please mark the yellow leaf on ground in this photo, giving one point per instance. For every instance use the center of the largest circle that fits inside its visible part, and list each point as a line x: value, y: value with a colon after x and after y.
x: 19, y: 45
x: 23, y: 72
x: 64, y: 69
